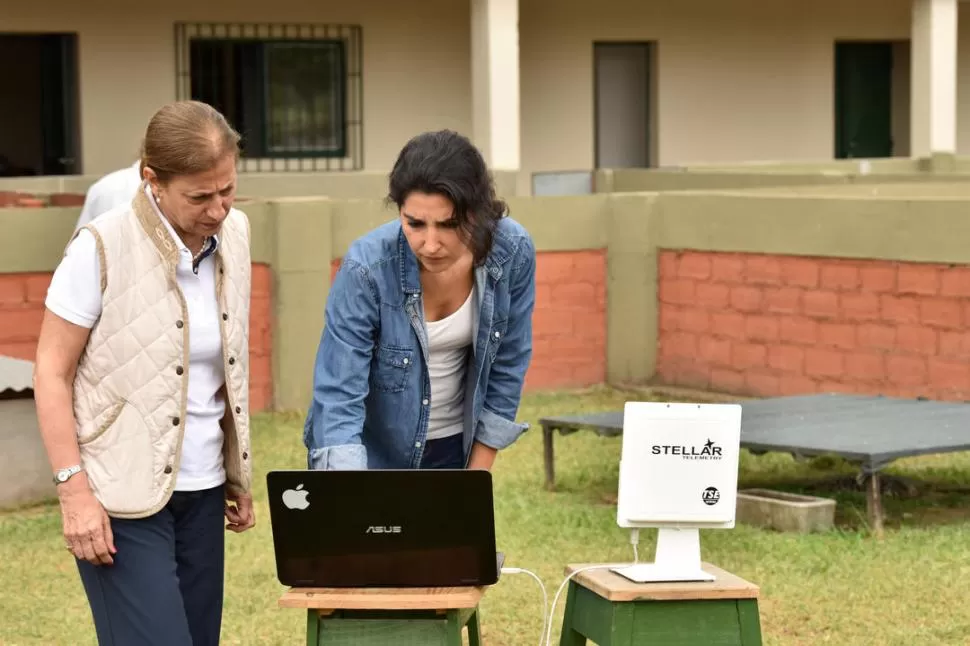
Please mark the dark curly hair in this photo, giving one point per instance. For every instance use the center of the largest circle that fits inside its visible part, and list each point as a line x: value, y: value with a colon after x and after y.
x: 446, y: 163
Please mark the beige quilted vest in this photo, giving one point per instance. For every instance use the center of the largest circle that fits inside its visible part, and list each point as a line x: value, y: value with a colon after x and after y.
x: 131, y: 384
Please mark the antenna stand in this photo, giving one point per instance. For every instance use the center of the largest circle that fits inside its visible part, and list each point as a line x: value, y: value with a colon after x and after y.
x: 678, y: 558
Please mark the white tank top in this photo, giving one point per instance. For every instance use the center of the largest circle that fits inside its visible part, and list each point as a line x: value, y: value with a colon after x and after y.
x: 449, y: 341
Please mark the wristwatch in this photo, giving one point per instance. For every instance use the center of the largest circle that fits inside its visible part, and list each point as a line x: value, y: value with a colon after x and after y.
x: 63, y: 475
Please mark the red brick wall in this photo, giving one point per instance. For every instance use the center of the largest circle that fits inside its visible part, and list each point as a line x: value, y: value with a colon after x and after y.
x: 261, y: 339
x: 569, y: 324
x: 22, y: 307
x: 771, y: 325
x: 21, y: 311
x: 19, y: 199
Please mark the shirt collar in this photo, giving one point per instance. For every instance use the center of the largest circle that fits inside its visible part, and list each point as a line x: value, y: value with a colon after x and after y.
x: 171, y: 231
x: 209, y: 246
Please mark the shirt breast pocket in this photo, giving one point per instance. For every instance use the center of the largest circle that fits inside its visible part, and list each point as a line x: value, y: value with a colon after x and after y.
x: 495, y: 337
x: 390, y: 368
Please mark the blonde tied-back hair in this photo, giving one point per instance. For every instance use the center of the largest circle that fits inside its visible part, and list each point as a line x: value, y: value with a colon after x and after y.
x: 185, y: 138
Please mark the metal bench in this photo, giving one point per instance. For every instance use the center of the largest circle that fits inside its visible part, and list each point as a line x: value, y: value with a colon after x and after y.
x: 872, y: 431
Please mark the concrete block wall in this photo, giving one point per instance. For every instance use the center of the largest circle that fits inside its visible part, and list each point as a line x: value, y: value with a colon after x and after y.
x: 763, y: 292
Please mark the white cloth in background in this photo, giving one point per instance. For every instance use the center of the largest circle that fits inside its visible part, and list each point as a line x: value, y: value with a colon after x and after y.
x: 117, y: 187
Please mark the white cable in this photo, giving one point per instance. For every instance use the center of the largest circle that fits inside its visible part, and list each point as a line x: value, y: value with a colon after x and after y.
x: 562, y: 586
x: 545, y: 596
x: 634, y: 540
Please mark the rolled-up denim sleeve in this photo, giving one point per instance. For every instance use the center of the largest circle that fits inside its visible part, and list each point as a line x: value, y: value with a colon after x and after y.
x: 497, y: 427
x: 335, y: 419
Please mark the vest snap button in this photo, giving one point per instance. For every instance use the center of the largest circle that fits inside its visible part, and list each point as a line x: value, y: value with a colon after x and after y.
x: 245, y: 455
x: 179, y: 324
x: 238, y: 409
x: 225, y: 317
x: 179, y: 370
x: 232, y: 360
x: 175, y: 421
x: 168, y: 469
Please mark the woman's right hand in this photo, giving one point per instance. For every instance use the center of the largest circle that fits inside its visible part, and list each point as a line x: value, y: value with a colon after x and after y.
x: 87, y: 527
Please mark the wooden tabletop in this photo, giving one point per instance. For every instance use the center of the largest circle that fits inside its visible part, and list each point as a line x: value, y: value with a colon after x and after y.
x: 381, y: 598
x: 613, y: 587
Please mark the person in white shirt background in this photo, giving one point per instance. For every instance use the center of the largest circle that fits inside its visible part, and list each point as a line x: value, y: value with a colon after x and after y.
x: 117, y: 187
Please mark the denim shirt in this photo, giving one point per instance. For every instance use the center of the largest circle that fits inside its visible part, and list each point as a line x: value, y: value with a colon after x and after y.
x: 371, y: 386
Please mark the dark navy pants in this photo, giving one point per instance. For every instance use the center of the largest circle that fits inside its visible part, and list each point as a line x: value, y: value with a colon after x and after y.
x: 166, y: 583
x: 446, y: 453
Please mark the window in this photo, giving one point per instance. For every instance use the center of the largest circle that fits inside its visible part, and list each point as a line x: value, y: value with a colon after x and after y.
x: 293, y: 92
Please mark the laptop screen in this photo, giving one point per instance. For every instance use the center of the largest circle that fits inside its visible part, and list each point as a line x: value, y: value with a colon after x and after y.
x: 383, y: 528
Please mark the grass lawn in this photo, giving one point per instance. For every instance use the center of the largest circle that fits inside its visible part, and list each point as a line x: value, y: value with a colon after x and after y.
x: 841, y: 588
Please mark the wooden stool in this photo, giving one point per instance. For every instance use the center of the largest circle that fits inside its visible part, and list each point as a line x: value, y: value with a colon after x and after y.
x: 611, y: 610
x: 381, y: 616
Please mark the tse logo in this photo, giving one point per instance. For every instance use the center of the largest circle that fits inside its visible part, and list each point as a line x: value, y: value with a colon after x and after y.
x: 381, y: 529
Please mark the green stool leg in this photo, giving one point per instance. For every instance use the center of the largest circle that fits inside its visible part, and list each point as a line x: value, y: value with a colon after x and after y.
x: 569, y: 636
x: 453, y: 635
x: 312, y: 628
x: 474, y: 630
x: 749, y: 619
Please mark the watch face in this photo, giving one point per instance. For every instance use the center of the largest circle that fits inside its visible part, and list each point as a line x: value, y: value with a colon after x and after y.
x: 64, y: 474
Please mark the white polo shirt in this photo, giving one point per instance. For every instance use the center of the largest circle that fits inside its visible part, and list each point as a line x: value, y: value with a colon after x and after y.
x: 115, y: 188
x: 75, y: 295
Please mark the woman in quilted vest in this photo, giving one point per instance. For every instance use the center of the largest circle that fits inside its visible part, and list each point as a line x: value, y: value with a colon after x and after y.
x: 141, y: 385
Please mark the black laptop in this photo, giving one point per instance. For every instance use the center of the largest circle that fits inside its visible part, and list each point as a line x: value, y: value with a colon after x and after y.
x: 383, y: 528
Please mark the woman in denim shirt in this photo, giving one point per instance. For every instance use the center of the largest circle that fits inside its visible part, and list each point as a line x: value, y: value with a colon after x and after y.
x: 428, y: 331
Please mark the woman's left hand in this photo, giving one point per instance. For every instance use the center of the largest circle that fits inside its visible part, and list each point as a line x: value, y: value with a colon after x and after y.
x: 239, y: 512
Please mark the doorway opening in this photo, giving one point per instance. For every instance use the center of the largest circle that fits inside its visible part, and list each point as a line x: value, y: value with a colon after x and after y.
x: 39, y: 105
x: 624, y: 114
x: 872, y: 102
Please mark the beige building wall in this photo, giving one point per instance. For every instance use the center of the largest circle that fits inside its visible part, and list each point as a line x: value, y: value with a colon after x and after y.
x: 747, y: 80
x: 416, y: 63
x: 742, y: 80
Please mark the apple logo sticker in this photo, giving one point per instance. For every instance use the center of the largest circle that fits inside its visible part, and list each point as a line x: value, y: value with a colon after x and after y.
x: 296, y: 498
